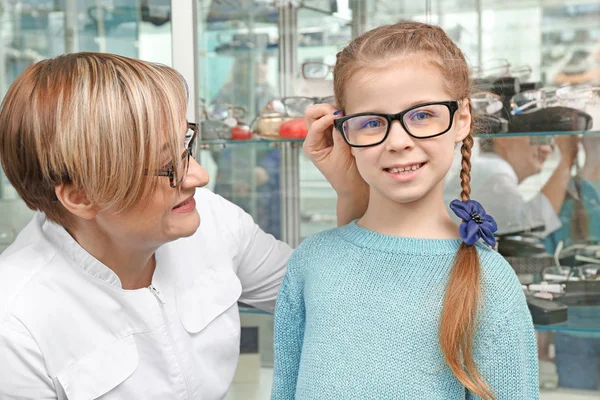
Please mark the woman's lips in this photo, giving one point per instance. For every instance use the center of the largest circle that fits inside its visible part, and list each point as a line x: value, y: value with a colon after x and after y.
x: 185, y: 206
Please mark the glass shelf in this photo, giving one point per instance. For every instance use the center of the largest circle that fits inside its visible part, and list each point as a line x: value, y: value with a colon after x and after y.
x: 250, y: 310
x: 521, y: 134
x: 210, y: 143
x: 585, y: 321
x: 582, y: 319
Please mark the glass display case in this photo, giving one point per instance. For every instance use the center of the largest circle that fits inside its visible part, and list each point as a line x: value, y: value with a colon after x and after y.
x: 530, y: 59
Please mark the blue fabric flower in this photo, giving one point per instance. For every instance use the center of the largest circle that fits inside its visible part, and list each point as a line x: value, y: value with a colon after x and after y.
x: 476, y: 223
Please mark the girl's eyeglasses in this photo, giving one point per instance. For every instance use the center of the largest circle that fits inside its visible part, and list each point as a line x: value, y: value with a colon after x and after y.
x: 422, y: 121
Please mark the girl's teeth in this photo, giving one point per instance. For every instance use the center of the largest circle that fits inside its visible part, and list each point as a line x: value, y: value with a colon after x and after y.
x: 405, y: 169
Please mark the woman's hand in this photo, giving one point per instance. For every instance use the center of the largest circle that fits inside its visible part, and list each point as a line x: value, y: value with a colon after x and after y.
x: 326, y: 148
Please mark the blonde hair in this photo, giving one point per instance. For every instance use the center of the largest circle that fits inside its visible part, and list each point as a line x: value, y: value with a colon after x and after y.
x: 375, y: 49
x: 96, y: 121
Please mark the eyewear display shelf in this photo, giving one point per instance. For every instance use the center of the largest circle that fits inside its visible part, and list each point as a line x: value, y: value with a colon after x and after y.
x: 307, y: 206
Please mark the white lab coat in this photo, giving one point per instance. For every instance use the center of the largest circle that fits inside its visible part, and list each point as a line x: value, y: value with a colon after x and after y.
x: 495, y: 185
x: 69, y: 331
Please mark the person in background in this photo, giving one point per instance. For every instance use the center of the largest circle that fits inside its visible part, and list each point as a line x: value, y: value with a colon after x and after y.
x: 578, y: 353
x: 503, y: 164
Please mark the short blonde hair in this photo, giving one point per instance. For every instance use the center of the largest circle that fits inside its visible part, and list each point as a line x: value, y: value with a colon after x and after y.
x: 96, y: 121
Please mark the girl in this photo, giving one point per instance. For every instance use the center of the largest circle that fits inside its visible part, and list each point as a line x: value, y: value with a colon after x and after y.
x: 403, y: 304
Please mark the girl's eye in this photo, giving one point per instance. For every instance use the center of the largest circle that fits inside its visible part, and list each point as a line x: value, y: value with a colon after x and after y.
x: 420, y: 116
x: 371, y: 124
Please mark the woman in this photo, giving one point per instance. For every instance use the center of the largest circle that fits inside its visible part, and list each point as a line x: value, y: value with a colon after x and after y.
x: 115, y: 288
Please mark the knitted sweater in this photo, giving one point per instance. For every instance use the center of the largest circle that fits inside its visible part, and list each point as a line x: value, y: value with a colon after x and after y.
x: 358, y: 314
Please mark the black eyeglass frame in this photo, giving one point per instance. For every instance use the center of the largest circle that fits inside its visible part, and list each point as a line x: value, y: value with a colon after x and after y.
x: 453, y: 106
x: 185, y: 156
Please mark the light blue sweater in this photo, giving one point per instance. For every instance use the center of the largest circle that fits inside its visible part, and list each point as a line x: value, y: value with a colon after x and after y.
x: 358, y: 314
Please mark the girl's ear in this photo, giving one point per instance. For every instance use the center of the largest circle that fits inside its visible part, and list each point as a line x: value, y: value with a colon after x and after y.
x: 463, y: 122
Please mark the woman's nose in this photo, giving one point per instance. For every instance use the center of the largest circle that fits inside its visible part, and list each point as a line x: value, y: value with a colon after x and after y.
x: 196, y: 175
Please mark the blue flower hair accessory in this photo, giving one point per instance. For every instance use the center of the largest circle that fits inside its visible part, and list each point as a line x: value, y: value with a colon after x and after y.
x: 476, y: 223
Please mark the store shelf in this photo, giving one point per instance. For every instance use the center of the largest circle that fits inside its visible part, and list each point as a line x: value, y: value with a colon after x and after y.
x: 249, y: 310
x: 575, y: 325
x: 225, y: 143
x: 520, y: 134
x: 582, y: 320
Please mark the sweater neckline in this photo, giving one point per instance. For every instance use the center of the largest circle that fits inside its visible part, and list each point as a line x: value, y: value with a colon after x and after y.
x: 366, y: 238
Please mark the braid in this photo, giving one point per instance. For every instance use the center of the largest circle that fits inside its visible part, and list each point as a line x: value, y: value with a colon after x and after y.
x: 465, y: 172
x: 465, y: 150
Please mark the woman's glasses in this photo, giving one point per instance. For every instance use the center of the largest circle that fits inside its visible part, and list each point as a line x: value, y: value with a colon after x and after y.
x: 178, y: 173
x: 422, y: 121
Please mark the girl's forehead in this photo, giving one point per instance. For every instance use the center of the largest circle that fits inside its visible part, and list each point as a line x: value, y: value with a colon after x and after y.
x: 395, y: 87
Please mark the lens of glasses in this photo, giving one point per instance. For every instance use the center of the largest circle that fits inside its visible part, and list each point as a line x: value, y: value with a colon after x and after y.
x: 190, y: 140
x: 181, y: 169
x: 365, y: 130
x: 428, y: 120
x: 315, y: 70
x: 421, y: 122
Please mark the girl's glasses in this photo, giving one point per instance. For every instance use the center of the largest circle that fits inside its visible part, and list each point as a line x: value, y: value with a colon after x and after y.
x: 422, y: 121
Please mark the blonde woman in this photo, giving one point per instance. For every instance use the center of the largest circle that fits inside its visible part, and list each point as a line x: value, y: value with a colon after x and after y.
x: 125, y: 284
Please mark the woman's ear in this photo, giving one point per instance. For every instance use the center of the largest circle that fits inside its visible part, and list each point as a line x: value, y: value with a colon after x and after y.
x: 463, y: 121
x: 75, y: 201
